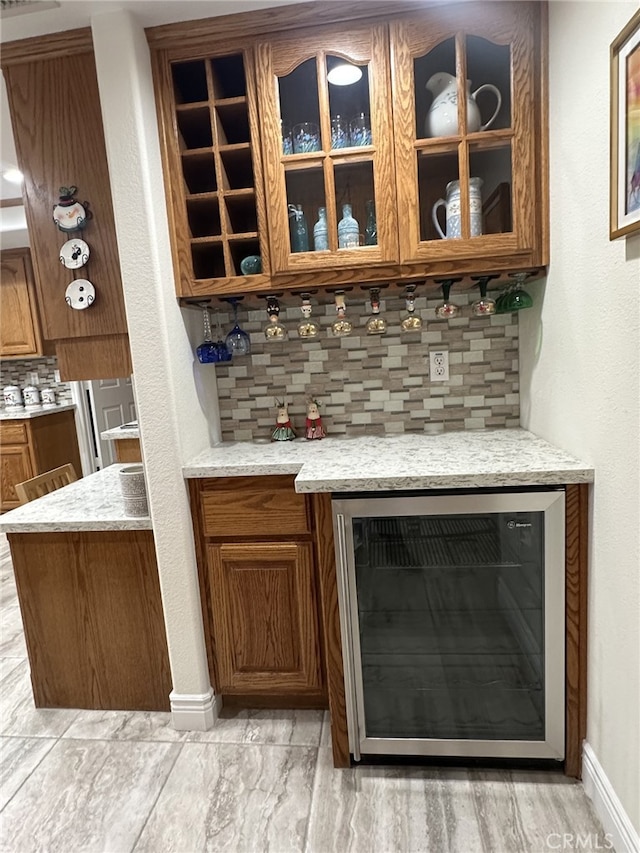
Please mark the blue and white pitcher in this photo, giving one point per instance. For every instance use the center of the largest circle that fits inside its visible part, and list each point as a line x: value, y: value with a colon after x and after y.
x: 452, y: 209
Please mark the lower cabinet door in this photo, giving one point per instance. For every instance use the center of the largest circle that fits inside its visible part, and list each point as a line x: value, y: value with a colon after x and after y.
x: 15, y: 467
x: 265, y: 623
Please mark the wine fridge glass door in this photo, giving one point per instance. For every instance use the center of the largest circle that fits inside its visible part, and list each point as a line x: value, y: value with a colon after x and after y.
x: 456, y: 621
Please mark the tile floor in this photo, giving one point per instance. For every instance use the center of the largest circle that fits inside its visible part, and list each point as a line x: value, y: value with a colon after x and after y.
x: 77, y: 781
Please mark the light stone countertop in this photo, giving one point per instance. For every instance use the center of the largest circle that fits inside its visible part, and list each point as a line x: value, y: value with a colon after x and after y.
x: 24, y: 414
x: 118, y: 433
x: 92, y: 503
x: 473, y: 458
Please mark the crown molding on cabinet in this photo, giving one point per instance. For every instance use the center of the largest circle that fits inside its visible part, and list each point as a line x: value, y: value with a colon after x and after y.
x: 50, y: 46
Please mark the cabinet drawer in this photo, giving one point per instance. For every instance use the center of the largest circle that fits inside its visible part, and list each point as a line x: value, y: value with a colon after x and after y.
x: 230, y: 512
x: 13, y: 433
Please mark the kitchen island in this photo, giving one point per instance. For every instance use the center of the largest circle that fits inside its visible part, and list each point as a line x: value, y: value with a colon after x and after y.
x: 89, y: 595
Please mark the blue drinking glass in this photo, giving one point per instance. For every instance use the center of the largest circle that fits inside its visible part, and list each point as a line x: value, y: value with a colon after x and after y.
x: 237, y: 341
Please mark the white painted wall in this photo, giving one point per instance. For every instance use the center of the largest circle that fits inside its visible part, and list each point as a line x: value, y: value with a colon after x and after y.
x: 580, y: 361
x: 174, y: 421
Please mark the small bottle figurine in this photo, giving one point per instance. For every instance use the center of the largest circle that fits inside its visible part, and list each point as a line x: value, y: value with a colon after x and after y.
x: 307, y: 328
x: 274, y: 331
x: 313, y: 423
x: 342, y: 326
x: 283, y: 430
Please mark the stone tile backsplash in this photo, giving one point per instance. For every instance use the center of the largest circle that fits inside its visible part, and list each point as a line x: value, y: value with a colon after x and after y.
x: 373, y: 384
x: 18, y: 372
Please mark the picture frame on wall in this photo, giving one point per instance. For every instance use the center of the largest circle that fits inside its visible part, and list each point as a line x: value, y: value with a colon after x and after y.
x: 625, y: 131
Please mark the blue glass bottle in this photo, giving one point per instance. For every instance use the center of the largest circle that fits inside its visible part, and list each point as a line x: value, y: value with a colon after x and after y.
x: 299, y: 231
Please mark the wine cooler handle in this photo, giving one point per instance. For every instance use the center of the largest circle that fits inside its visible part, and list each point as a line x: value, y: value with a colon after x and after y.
x: 347, y: 640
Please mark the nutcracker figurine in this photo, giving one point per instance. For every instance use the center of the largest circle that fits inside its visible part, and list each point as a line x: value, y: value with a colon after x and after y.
x: 313, y: 424
x: 283, y: 430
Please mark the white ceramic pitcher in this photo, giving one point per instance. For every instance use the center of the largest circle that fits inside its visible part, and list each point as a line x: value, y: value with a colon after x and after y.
x: 452, y: 209
x: 442, y: 118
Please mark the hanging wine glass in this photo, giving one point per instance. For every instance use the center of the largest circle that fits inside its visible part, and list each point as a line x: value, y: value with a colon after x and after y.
x: 447, y: 310
x: 237, y: 341
x: 376, y: 324
x: 518, y: 298
x: 206, y: 350
x: 274, y: 330
x: 306, y: 327
x: 341, y: 326
x: 412, y: 322
x: 220, y: 351
x: 485, y: 306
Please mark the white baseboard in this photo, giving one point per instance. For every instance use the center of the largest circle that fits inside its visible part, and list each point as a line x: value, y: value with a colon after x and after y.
x: 609, y: 809
x: 194, y: 712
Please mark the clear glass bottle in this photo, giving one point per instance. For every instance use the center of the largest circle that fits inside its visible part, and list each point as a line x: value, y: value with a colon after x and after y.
x: 299, y: 231
x: 371, y: 228
x: 348, y: 229
x: 320, y: 232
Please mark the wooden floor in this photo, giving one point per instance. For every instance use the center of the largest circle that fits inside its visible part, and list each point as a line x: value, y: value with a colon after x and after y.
x: 74, y: 781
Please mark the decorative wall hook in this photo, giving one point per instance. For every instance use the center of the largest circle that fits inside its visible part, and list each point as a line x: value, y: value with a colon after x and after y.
x: 68, y: 213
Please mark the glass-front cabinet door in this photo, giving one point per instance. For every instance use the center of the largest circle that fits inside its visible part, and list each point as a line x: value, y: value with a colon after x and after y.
x: 465, y: 113
x: 327, y: 141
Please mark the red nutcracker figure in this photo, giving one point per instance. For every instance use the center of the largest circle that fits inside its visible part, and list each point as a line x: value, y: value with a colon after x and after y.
x: 313, y: 422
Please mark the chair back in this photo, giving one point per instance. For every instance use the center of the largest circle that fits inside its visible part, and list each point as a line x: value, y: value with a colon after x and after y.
x: 41, y: 485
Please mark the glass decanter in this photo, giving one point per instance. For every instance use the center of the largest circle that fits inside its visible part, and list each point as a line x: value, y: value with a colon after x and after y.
x: 341, y: 326
x: 274, y: 330
x: 376, y: 324
x: 237, y: 341
x: 306, y: 327
x: 412, y: 322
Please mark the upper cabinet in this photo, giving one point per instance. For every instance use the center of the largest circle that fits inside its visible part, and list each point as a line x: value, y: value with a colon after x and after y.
x: 54, y: 104
x: 328, y: 149
x: 20, y: 328
x: 214, y: 172
x: 430, y: 160
x: 468, y: 135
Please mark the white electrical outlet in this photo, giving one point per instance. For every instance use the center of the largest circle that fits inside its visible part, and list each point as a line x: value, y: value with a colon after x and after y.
x: 34, y: 378
x: 439, y: 365
x: 56, y: 375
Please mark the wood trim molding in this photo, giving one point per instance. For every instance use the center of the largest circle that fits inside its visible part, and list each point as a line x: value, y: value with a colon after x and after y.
x: 576, y: 565
x: 11, y: 202
x: 210, y: 33
x: 326, y: 563
x: 52, y: 46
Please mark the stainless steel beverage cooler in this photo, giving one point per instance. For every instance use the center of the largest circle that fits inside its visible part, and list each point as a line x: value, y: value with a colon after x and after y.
x: 452, y: 619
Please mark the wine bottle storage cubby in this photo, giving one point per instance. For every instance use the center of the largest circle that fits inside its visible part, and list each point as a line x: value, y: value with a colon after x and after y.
x: 204, y: 216
x: 236, y: 168
x: 217, y: 143
x: 241, y: 211
x: 239, y: 249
